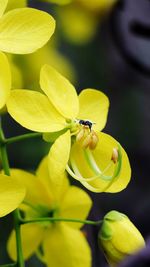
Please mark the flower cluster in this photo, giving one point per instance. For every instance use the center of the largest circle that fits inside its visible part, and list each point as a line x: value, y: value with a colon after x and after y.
x: 49, y: 212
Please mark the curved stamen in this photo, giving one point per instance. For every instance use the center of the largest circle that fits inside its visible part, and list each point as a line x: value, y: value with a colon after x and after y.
x: 91, y: 162
x: 77, y: 175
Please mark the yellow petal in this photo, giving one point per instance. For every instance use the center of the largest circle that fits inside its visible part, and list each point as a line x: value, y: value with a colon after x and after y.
x: 34, y: 111
x: 66, y: 247
x: 12, y: 194
x: 102, y: 156
x: 5, y: 80
x: 24, y: 30
x: 60, y: 91
x: 94, y: 107
x: 57, y: 161
x: 36, y: 192
x: 17, y: 76
x: 3, y: 4
x: 16, y: 4
x: 32, y: 235
x: 76, y: 204
x: 131, y: 239
x: 59, y: 2
x: 44, y: 176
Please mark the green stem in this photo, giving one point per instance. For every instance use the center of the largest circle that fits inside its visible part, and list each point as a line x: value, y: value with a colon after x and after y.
x: 19, y: 138
x: 53, y: 219
x: 8, y: 265
x: 5, y: 164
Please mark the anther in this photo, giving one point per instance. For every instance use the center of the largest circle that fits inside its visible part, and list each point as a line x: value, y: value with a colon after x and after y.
x: 94, y: 140
x: 115, y: 155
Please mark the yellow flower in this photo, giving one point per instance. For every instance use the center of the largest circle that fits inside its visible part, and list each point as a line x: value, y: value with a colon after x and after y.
x: 60, y: 108
x: 5, y: 80
x: 97, y: 160
x: 24, y: 30
x: 85, y: 16
x: 119, y: 238
x: 104, y: 169
x: 11, y: 194
x: 48, y: 195
x: 83, y: 24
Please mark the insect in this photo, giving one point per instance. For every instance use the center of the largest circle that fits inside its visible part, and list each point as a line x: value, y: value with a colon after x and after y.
x: 86, y: 123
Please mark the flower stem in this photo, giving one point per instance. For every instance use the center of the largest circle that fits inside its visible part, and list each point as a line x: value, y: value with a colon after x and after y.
x: 5, y: 163
x: 19, y: 138
x: 9, y: 265
x: 53, y: 219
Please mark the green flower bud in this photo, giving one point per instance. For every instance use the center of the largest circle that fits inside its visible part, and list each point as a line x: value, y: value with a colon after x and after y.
x: 118, y: 237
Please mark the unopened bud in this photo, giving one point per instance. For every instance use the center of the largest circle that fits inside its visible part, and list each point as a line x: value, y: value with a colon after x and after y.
x: 118, y: 237
x: 115, y: 155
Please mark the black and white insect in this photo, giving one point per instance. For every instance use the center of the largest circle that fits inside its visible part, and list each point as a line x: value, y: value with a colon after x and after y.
x: 86, y: 123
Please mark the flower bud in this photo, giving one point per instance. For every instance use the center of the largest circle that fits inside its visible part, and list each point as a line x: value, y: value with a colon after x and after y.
x: 118, y: 237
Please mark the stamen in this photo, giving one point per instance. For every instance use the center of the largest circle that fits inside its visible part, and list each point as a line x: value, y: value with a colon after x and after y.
x: 80, y: 135
x: 87, y: 141
x: 114, y: 157
x: 91, y: 162
x: 77, y: 175
x: 94, y: 140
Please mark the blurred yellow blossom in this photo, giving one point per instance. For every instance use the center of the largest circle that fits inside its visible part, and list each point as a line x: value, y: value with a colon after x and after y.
x: 43, y: 199
x: 28, y: 66
x: 79, y: 19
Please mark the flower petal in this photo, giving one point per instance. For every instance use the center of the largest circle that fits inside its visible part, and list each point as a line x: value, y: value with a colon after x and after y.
x: 32, y: 235
x: 76, y: 204
x: 16, y: 4
x: 59, y: 2
x: 102, y: 156
x: 57, y: 161
x: 34, y: 111
x: 66, y: 247
x: 24, y: 30
x: 3, y: 4
x: 11, y: 194
x: 5, y: 80
x: 44, y: 176
x: 94, y: 107
x: 60, y: 91
x: 36, y: 192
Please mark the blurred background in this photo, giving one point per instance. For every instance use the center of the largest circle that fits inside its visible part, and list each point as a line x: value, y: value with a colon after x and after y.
x: 104, y: 45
